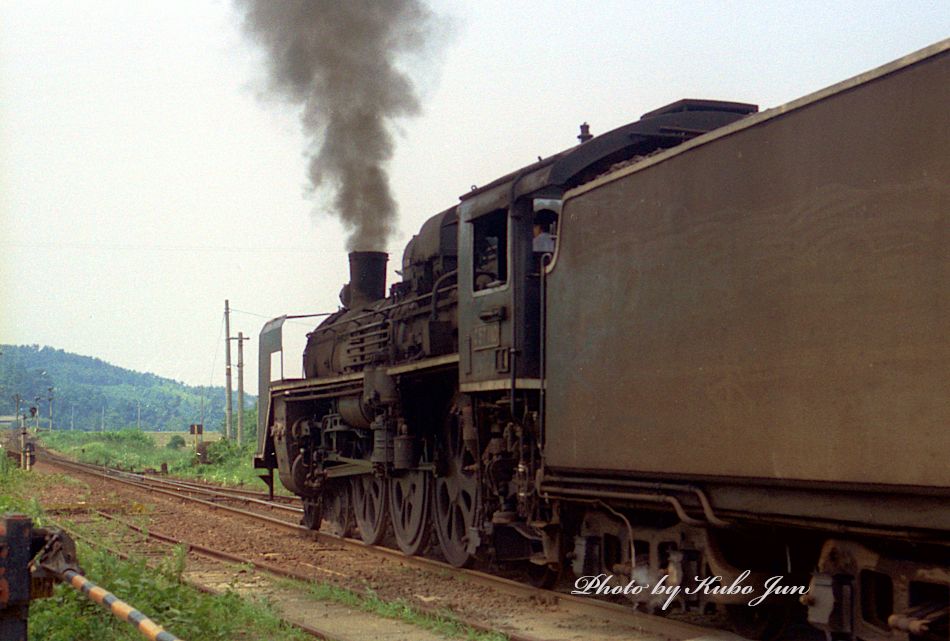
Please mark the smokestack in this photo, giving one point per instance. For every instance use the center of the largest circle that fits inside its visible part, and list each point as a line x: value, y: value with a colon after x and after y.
x: 367, y: 278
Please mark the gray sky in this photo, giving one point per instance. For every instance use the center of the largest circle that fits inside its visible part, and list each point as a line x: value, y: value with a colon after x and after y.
x: 145, y: 177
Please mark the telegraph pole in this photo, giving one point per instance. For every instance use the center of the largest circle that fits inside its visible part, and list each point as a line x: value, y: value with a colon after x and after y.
x: 102, y: 420
x: 240, y: 366
x: 227, y: 369
x: 21, y: 427
x: 138, y: 419
x: 50, y: 390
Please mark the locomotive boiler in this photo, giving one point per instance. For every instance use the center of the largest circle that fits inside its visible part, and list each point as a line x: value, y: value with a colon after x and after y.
x: 708, y: 342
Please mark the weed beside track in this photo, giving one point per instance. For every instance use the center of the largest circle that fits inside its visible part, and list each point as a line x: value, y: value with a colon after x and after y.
x: 156, y: 590
x: 225, y: 462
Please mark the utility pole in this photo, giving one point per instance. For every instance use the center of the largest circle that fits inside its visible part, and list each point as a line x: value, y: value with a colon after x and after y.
x: 138, y: 420
x: 102, y: 420
x: 21, y: 427
x: 50, y: 390
x: 240, y: 366
x: 72, y: 417
x: 25, y: 458
x: 227, y: 369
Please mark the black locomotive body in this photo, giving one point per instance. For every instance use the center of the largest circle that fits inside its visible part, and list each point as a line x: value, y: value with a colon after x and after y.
x: 706, y: 342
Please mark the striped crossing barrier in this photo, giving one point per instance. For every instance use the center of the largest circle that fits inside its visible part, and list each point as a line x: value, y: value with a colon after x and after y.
x: 119, y: 608
x: 31, y: 560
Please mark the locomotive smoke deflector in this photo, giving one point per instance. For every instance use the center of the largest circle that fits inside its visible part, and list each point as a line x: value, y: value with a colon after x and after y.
x: 367, y: 279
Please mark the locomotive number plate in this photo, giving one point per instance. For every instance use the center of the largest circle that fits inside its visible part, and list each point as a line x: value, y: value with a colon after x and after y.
x: 486, y: 336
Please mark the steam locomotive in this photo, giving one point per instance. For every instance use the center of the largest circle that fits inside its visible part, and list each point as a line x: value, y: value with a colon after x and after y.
x: 709, y: 341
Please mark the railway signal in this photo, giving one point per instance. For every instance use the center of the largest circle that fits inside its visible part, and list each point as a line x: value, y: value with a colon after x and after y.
x: 197, y: 430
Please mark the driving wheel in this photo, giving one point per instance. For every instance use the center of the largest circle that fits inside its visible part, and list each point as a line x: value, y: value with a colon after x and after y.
x: 455, y: 495
x: 370, y: 507
x: 409, y: 507
x: 337, y: 509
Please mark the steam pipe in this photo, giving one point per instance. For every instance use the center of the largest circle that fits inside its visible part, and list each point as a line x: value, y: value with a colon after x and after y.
x: 551, y: 491
x: 435, y: 291
x: 704, y: 502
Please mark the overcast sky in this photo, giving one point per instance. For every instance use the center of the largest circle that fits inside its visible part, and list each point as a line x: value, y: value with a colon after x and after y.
x: 145, y: 176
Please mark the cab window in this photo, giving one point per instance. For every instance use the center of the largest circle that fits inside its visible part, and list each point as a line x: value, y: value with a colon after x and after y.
x: 490, y: 250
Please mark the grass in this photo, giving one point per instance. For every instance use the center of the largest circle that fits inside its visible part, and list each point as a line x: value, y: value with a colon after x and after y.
x: 444, y: 624
x: 13, y: 495
x: 229, y: 463
x: 157, y: 592
x: 161, y: 439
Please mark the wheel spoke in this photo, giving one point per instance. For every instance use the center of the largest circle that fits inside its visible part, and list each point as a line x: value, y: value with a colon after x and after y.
x: 455, y: 503
x: 338, y: 511
x: 370, y: 504
x: 411, y: 500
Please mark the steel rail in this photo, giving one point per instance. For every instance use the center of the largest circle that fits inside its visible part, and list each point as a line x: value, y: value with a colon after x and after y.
x: 640, y: 621
x: 303, y: 627
x: 223, y: 488
x: 207, y: 489
x: 95, y: 470
x: 221, y: 555
x: 145, y: 479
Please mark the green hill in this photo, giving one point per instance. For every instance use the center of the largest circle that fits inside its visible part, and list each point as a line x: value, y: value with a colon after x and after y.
x: 87, y: 389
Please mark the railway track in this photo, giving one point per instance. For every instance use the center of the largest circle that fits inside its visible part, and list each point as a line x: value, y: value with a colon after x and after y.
x: 313, y: 631
x: 216, y: 493
x: 218, y: 498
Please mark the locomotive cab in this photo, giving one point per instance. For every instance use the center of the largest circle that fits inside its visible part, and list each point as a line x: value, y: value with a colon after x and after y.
x: 505, y: 224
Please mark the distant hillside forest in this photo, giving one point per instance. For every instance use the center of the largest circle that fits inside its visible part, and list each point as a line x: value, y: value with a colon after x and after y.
x: 89, y: 393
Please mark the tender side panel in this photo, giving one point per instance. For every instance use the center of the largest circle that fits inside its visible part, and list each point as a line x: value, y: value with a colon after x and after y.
x: 772, y: 304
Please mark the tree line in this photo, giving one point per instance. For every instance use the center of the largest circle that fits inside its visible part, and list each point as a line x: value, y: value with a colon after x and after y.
x: 89, y: 394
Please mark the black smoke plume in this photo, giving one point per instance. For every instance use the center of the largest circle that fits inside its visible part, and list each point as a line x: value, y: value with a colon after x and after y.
x: 337, y: 60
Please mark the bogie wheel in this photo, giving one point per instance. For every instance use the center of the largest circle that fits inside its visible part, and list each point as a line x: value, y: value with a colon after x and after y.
x: 312, y: 514
x: 337, y: 508
x: 370, y: 505
x: 410, y: 499
x: 455, y: 495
